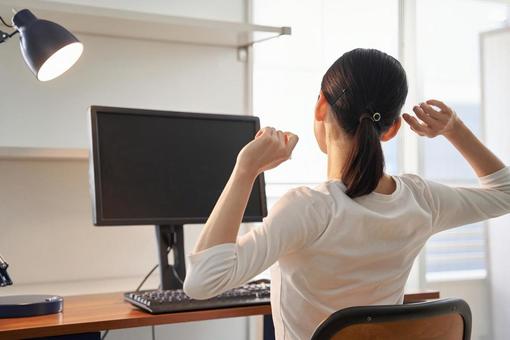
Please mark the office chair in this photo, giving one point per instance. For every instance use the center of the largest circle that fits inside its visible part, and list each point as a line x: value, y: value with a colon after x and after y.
x: 446, y: 319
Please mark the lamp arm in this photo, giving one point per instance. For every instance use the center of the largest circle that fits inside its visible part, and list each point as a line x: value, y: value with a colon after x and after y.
x: 5, y: 280
x: 6, y: 24
x: 5, y: 36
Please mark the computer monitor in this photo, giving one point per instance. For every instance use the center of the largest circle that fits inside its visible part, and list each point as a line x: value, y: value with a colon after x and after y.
x: 167, y: 169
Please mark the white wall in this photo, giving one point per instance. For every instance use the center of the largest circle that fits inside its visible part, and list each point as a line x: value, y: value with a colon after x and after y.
x: 117, y: 72
x: 45, y: 219
x: 496, y: 103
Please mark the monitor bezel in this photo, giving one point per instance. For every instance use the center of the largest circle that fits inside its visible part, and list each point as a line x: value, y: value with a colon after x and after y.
x: 95, y: 168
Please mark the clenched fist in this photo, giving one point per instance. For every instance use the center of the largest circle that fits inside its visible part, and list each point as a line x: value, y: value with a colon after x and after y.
x: 270, y: 148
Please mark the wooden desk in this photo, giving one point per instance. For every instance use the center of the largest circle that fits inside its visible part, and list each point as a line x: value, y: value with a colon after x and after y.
x: 93, y: 313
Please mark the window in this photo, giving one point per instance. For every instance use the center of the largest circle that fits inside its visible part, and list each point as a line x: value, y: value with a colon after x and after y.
x: 457, y: 252
x: 448, y: 64
x: 288, y: 72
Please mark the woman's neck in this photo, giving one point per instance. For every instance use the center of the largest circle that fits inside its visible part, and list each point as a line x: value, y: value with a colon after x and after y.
x: 337, y: 157
x: 336, y: 162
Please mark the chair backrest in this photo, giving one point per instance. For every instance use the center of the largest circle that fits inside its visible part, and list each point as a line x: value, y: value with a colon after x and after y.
x: 446, y: 319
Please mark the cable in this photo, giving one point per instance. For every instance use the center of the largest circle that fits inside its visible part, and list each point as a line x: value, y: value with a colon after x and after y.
x: 177, y: 275
x: 140, y: 286
x: 146, y: 277
x: 153, y: 330
x: 6, y: 24
x: 137, y: 289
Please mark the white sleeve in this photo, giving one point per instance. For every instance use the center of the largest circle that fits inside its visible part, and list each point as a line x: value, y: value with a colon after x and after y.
x: 295, y: 221
x: 455, y: 206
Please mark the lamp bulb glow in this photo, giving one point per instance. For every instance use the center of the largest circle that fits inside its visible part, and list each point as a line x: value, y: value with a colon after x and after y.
x: 60, y: 61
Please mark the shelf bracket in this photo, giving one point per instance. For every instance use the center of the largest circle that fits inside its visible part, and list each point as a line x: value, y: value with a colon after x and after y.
x: 284, y: 31
x: 242, y: 51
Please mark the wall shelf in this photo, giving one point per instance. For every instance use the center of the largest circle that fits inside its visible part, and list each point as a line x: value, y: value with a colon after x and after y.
x: 137, y: 25
x: 28, y: 153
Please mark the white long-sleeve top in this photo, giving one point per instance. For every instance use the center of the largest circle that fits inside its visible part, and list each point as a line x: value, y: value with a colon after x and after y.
x: 329, y: 252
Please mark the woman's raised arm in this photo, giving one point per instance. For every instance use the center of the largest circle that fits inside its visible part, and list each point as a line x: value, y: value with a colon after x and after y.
x: 445, y: 122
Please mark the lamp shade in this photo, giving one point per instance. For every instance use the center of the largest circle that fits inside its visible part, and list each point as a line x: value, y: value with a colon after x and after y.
x: 48, y: 48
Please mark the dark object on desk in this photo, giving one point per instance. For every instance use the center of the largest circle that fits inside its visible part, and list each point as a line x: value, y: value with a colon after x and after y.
x: 5, y: 279
x: 30, y: 305
x: 25, y: 305
x: 169, y: 301
x: 167, y: 169
x: 82, y: 336
x: 448, y: 319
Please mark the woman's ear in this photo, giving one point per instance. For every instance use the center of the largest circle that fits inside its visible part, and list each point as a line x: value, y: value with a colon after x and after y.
x: 392, y: 131
x: 321, y: 108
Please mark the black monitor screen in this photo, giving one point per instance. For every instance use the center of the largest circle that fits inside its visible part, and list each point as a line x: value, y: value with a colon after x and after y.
x: 154, y: 167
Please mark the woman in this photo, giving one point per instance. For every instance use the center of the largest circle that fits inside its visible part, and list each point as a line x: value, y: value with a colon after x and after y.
x: 353, y: 239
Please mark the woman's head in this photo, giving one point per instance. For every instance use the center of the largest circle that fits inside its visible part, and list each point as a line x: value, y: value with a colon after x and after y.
x: 365, y: 90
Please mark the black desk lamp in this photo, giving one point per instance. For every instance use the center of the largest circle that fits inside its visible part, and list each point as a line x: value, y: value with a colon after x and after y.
x: 49, y: 50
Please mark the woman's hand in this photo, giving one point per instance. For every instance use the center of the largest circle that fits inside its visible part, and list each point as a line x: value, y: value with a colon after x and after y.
x: 445, y: 122
x: 433, y: 122
x: 269, y: 149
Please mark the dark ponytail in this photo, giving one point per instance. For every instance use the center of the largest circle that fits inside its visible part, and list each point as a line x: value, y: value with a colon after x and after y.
x: 366, y: 90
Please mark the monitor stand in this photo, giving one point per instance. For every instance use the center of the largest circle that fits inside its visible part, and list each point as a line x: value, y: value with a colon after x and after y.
x: 171, y: 237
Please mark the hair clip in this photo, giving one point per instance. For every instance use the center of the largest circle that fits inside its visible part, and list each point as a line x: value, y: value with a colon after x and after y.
x: 375, y: 117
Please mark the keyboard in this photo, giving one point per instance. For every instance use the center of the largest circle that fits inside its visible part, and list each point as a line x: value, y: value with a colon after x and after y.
x: 169, y: 301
